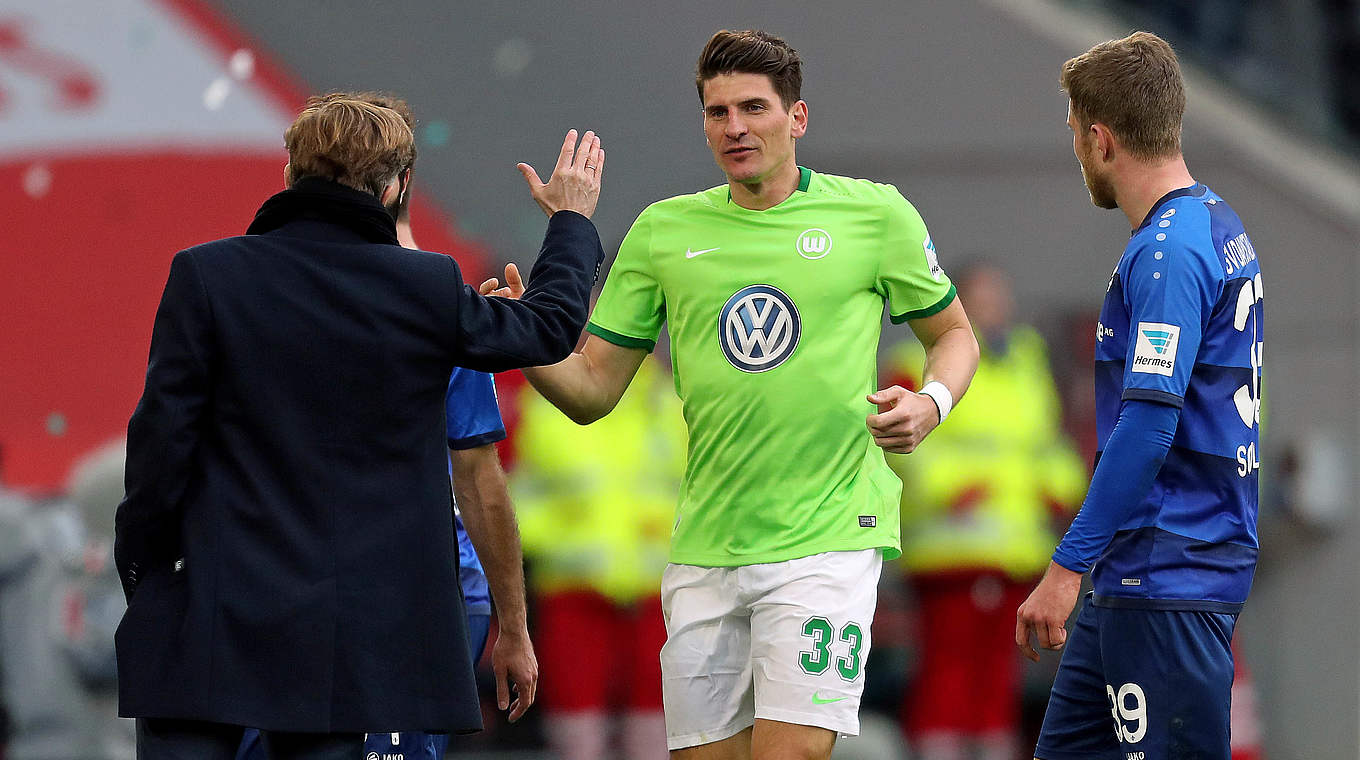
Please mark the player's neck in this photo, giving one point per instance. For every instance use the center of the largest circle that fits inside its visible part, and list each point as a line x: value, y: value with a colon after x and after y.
x: 768, y: 192
x: 1147, y: 183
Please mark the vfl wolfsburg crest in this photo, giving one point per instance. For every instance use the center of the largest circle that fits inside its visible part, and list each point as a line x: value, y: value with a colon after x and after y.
x: 813, y: 244
x: 758, y: 328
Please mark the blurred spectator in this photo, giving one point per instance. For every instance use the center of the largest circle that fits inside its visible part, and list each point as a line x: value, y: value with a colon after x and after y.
x: 1300, y: 58
x: 60, y: 603
x: 978, y: 503
x: 595, y: 506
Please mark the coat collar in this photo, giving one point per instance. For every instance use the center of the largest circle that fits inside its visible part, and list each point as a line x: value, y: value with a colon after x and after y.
x: 313, y: 198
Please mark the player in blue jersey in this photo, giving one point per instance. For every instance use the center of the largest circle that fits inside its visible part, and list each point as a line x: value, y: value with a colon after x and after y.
x: 1168, y: 527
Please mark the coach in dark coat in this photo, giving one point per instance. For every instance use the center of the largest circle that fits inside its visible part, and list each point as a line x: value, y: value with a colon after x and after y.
x: 286, y: 539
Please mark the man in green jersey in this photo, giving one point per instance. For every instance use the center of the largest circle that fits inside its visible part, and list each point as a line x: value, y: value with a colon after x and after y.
x: 774, y: 286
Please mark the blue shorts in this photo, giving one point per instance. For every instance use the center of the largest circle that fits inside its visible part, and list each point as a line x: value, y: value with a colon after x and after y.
x: 1138, y: 684
x: 407, y: 745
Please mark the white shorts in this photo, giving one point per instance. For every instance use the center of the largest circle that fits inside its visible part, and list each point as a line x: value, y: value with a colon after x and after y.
x: 782, y: 641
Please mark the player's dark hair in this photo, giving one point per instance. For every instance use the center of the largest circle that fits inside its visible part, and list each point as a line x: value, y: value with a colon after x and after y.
x: 752, y: 52
x: 1133, y: 86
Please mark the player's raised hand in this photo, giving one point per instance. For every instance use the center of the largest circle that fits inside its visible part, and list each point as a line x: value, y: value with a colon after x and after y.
x: 575, y: 181
x: 904, y: 419
x: 516, y: 667
x: 514, y: 284
x: 1044, y: 614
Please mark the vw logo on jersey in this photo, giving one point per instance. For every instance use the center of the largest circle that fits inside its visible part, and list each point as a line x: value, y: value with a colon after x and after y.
x: 813, y: 244
x: 758, y: 328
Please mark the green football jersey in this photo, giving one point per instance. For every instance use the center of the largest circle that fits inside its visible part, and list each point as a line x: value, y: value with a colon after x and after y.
x: 774, y: 322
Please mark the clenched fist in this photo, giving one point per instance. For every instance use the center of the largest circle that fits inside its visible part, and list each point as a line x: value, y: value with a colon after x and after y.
x: 904, y: 419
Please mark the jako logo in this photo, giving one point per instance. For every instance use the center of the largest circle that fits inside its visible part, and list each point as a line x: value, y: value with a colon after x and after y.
x: 813, y: 244
x: 758, y: 328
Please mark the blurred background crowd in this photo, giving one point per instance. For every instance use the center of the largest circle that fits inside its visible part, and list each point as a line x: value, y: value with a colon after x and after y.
x: 132, y: 128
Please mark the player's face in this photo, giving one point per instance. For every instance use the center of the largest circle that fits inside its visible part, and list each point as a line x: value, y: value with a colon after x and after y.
x: 749, y: 131
x: 1085, y: 147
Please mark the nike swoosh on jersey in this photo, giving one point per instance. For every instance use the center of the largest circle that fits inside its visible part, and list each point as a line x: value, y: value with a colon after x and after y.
x: 817, y: 699
x: 691, y: 254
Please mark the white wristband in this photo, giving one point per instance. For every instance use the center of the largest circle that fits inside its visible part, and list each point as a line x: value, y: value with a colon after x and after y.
x: 944, y: 400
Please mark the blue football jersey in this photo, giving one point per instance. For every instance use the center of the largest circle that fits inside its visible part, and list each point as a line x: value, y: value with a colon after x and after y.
x: 473, y: 419
x: 1182, y: 325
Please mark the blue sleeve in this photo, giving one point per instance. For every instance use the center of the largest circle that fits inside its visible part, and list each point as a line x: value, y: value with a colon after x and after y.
x: 1128, y: 465
x: 1169, y: 291
x: 471, y: 414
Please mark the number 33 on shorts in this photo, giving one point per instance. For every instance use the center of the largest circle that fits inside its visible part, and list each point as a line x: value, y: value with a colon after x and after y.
x: 1130, y: 720
x: 817, y: 660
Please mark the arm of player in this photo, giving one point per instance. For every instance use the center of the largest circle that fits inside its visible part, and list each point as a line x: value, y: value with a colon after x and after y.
x: 1128, y: 465
x: 904, y: 418
x: 479, y: 487
x: 590, y: 382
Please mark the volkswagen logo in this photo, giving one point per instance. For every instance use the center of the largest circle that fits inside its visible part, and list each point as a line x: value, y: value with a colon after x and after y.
x: 758, y: 328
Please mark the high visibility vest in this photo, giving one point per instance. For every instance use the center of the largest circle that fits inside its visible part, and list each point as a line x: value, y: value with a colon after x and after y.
x: 596, y: 503
x: 981, y: 490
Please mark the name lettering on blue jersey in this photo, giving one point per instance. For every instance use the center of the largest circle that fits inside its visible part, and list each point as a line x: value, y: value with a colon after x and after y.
x: 1237, y: 253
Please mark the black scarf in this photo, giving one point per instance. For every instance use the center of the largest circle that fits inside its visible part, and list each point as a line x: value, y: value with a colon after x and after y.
x: 325, y: 201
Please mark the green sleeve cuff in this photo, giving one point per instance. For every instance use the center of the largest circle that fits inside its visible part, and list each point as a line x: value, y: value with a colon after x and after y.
x: 627, y: 341
x: 929, y: 311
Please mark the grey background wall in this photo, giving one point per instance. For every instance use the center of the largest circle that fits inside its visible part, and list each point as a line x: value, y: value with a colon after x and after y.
x: 957, y: 104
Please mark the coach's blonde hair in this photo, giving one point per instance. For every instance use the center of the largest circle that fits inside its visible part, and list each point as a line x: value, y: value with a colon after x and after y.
x: 344, y: 138
x: 1133, y: 86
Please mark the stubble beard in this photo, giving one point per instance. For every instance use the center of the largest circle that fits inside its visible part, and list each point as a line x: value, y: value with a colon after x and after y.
x: 1102, y: 194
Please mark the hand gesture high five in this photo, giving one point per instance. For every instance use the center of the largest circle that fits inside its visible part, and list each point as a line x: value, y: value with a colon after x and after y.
x: 575, y: 181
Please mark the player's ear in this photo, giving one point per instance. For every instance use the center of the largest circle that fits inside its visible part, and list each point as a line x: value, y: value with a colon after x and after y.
x: 799, y: 112
x: 1105, y: 141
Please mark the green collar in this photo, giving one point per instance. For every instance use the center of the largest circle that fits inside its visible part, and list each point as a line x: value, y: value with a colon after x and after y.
x: 804, y: 179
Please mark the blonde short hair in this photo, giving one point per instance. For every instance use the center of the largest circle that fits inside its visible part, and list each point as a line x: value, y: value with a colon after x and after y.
x: 346, y: 139
x: 1133, y: 86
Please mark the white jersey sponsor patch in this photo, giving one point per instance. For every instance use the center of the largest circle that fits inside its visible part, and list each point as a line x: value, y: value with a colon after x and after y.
x: 1155, y: 350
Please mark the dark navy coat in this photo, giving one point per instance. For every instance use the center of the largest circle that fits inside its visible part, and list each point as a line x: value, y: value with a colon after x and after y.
x: 287, y: 539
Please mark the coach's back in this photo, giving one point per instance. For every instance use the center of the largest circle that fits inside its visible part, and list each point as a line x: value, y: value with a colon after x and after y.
x: 287, y: 535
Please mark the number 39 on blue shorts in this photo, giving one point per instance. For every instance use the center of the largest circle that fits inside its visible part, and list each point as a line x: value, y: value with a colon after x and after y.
x: 1139, y: 684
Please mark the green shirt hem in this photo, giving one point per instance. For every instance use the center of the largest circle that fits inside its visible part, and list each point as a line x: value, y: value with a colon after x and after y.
x: 929, y: 311
x: 891, y: 550
x: 627, y: 341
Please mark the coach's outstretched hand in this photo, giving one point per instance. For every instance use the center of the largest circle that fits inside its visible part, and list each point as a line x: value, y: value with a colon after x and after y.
x: 1046, y: 610
x: 904, y: 419
x: 514, y: 663
x: 575, y: 181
